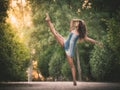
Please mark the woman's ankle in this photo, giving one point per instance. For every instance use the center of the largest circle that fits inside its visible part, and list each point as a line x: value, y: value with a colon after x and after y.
x: 74, y: 83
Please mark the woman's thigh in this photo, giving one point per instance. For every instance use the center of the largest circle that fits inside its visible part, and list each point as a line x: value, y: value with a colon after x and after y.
x: 60, y: 38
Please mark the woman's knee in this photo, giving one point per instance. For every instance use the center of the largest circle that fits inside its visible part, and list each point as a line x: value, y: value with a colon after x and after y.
x: 70, y: 61
x: 71, y: 65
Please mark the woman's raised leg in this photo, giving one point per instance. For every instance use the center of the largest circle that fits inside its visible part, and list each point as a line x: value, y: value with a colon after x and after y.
x: 59, y: 38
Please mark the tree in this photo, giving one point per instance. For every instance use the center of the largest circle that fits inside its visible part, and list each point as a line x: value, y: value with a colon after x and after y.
x: 14, y: 56
x: 107, y: 5
x: 104, y: 62
x: 3, y: 9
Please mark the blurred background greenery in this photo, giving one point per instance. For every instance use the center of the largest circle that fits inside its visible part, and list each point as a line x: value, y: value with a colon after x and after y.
x: 23, y: 29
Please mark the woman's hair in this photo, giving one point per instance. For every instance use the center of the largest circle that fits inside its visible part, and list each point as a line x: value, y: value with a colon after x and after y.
x: 82, y: 29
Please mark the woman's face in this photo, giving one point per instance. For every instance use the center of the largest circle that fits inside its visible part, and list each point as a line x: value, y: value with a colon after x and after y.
x: 76, y: 24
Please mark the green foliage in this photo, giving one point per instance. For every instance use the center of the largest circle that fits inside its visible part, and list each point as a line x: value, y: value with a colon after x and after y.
x: 3, y: 9
x: 14, y: 56
x: 101, y: 63
x: 44, y: 59
x: 114, y: 34
x: 61, y: 12
x: 66, y: 71
x: 56, y: 63
x: 113, y: 38
x: 105, y: 5
x: 105, y: 62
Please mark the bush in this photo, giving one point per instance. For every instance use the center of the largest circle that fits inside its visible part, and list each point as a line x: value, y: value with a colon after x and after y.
x: 101, y: 63
x: 66, y: 71
x: 105, y: 62
x: 56, y: 63
x: 14, y: 56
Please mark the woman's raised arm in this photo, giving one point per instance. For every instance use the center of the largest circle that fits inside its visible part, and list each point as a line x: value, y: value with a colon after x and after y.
x: 71, y: 25
x: 72, y: 22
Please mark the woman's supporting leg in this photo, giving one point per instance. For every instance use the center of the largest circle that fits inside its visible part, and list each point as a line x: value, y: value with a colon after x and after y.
x: 59, y: 38
x: 70, y: 61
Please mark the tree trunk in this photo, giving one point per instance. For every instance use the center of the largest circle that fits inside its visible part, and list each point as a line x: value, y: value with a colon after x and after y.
x: 78, y: 65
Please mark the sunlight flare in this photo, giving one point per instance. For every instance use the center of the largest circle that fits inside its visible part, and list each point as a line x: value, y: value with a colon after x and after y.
x: 19, y: 16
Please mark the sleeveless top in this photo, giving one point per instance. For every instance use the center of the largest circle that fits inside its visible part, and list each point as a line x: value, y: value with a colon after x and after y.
x: 69, y: 44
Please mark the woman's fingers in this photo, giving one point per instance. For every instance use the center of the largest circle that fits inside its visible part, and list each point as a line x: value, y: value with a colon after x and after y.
x: 100, y: 44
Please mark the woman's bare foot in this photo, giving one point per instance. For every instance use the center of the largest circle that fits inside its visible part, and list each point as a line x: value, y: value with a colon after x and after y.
x: 74, y: 83
x: 47, y: 17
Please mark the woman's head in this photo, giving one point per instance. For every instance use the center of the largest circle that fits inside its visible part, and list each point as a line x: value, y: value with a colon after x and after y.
x: 82, y: 29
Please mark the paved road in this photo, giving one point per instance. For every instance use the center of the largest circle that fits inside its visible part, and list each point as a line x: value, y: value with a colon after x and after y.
x: 58, y: 86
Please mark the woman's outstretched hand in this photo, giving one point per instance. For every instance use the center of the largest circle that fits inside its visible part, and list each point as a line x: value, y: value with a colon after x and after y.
x: 47, y: 17
x: 100, y: 44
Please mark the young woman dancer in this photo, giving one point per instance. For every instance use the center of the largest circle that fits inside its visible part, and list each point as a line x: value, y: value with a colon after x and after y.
x: 79, y: 33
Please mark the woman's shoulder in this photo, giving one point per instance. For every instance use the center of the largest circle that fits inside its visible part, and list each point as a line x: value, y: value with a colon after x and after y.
x: 76, y: 33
